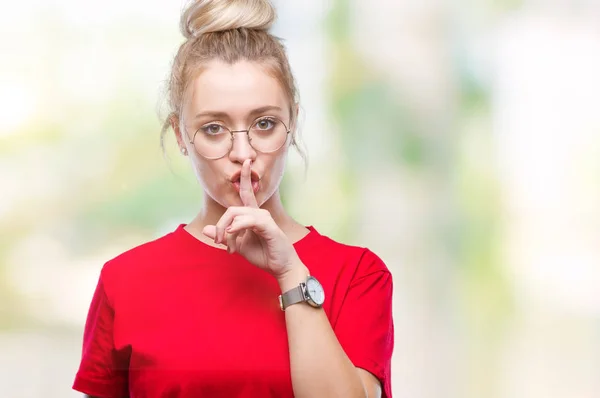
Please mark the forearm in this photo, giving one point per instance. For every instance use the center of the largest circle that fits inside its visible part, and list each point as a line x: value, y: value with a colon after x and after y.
x: 319, y: 365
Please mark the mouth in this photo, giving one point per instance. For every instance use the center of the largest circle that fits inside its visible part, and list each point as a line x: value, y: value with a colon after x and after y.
x: 254, y: 178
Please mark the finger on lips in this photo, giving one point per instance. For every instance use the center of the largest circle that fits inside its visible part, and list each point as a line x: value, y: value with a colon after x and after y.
x: 239, y: 218
x: 246, y: 191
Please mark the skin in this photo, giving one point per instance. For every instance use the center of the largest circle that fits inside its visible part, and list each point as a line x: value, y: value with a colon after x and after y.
x: 256, y: 225
x: 237, y: 91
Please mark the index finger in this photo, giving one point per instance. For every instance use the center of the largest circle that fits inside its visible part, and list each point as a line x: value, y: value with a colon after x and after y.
x: 246, y: 189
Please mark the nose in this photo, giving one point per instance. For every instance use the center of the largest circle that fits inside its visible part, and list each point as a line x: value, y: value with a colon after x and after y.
x: 241, y: 148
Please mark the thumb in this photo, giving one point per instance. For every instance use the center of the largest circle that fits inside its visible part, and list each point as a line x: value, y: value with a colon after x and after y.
x: 210, y: 231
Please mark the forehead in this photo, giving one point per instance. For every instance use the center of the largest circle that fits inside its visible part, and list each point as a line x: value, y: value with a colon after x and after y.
x: 235, y: 89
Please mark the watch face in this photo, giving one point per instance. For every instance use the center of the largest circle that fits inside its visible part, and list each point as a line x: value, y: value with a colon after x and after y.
x: 315, y: 291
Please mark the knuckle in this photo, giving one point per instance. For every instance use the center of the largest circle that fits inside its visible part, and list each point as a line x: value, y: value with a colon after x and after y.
x: 264, y: 213
x: 264, y: 216
x: 230, y: 213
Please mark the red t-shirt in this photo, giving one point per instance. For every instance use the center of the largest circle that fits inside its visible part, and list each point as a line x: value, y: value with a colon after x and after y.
x: 178, y: 318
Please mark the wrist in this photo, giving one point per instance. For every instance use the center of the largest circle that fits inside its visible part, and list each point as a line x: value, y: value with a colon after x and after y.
x: 295, y: 275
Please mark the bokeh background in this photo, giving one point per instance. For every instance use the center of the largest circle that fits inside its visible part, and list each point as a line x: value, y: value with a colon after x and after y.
x: 458, y: 140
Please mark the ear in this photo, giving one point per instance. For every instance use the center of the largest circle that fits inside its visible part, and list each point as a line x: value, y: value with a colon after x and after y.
x: 296, y: 110
x: 174, y: 121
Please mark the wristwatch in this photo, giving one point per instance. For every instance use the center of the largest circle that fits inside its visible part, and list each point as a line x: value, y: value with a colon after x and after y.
x: 310, y: 292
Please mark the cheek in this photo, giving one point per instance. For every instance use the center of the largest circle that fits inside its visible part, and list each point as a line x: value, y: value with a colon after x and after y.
x: 276, y: 169
x: 210, y: 176
x: 206, y: 174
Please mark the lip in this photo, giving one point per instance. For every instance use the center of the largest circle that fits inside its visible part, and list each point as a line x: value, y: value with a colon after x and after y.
x: 238, y: 174
x: 254, y: 177
x: 255, y: 186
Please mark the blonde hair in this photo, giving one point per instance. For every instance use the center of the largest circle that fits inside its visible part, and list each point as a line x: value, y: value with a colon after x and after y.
x: 228, y: 30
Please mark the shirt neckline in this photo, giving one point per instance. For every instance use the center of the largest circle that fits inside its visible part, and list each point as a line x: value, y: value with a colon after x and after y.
x: 192, y: 242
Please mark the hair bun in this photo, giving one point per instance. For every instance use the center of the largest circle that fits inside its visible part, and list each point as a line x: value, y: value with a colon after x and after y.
x: 205, y: 16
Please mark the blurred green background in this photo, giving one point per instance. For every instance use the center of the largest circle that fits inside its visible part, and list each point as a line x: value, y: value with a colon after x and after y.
x: 459, y: 141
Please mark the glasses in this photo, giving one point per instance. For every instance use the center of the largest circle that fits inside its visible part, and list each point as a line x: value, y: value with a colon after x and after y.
x: 214, y: 140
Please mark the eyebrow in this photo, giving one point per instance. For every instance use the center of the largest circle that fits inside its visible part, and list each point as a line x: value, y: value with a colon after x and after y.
x: 254, y: 112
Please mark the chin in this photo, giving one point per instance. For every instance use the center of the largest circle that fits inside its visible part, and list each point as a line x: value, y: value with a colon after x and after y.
x: 231, y: 200
x: 230, y: 197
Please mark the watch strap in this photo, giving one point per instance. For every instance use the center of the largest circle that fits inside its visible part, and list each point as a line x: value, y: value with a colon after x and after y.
x: 292, y: 296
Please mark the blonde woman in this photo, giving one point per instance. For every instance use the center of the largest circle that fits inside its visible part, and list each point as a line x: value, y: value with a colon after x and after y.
x: 242, y: 301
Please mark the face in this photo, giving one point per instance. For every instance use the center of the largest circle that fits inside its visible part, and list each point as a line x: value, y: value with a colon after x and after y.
x: 234, y: 96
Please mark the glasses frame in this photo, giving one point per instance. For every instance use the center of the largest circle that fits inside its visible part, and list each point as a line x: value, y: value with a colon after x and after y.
x: 247, y: 131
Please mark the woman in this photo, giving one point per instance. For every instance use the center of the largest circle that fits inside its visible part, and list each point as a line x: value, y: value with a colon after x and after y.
x: 243, y: 301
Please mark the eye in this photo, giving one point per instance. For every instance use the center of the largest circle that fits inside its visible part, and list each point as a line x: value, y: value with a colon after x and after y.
x: 212, y: 129
x: 264, y: 124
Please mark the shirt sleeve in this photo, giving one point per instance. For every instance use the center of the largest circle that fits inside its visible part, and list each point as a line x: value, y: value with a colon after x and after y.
x: 102, y: 371
x: 365, y: 327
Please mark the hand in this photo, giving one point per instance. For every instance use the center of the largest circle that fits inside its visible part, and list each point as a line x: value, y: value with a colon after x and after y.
x: 252, y: 232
